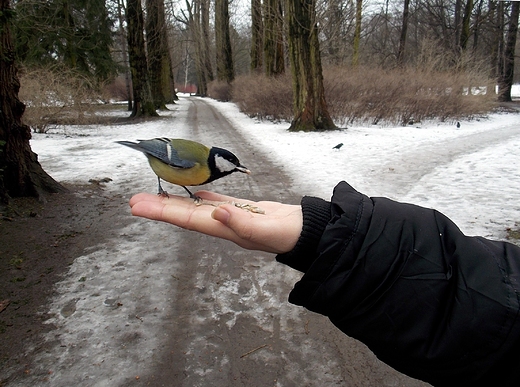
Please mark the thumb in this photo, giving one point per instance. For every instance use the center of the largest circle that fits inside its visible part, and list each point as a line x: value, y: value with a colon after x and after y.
x: 221, y: 214
x: 236, y: 219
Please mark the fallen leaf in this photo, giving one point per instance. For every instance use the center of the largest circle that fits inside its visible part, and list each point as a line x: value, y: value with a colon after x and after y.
x: 4, y: 304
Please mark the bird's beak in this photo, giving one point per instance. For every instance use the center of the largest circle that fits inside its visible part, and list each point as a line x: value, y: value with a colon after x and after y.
x: 243, y: 169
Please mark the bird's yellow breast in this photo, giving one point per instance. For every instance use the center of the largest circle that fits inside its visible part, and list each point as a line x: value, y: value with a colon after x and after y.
x: 180, y: 176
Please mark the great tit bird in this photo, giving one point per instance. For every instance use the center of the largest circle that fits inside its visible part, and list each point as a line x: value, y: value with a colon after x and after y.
x: 185, y: 162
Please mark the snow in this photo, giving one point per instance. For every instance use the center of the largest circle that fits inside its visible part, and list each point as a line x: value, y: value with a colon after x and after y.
x: 470, y: 174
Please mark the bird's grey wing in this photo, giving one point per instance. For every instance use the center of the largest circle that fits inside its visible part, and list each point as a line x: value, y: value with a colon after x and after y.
x: 162, y: 149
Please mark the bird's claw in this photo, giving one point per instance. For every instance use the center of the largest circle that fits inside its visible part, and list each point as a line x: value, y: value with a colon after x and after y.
x: 163, y: 193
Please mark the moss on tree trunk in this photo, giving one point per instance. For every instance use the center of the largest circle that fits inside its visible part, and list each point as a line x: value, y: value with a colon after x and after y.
x: 143, y: 101
x: 310, y: 108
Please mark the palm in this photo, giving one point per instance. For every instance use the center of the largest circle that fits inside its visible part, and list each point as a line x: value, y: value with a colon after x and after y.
x: 275, y: 231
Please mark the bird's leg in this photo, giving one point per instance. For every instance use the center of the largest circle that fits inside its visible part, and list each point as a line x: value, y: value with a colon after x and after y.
x: 194, y: 197
x: 161, y: 192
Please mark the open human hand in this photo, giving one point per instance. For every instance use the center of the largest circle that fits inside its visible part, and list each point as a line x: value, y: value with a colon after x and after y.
x: 275, y: 231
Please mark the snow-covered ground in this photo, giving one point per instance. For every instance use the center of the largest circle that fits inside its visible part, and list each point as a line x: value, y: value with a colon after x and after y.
x: 470, y: 173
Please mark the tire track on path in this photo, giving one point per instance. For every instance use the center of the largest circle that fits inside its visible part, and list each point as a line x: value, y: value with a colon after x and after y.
x: 422, y: 160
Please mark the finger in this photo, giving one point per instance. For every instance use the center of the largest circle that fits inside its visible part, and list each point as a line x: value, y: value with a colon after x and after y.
x: 252, y: 230
x: 151, y: 198
x: 184, y: 213
x: 208, y: 195
x: 141, y: 197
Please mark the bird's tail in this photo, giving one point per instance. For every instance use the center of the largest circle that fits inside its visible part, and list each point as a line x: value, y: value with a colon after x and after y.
x: 133, y: 145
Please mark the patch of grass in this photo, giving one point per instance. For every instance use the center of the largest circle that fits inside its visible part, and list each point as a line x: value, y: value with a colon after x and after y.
x: 513, y: 233
x: 67, y: 235
x: 17, y: 261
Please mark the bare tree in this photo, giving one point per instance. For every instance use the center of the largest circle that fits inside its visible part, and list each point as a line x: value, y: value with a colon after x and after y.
x: 197, y: 20
x: 310, y: 108
x: 506, y: 76
x: 225, y: 71
x: 256, y: 35
x: 404, y: 29
x: 124, y: 53
x: 357, y: 32
x: 497, y: 46
x: 205, y: 40
x: 143, y: 101
x: 20, y: 172
x: 335, y: 21
x: 273, y: 38
x: 466, y: 19
x: 161, y: 79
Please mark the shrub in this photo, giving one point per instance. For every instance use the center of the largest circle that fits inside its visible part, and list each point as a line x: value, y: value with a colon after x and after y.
x: 264, y: 97
x: 403, y: 95
x: 56, y: 95
x: 374, y: 95
x: 219, y: 90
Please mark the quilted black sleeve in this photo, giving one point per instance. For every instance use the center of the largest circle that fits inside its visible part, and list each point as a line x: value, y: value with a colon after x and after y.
x: 426, y: 299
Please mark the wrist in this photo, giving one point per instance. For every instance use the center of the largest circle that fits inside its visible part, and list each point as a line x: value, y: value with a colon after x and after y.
x: 316, y: 215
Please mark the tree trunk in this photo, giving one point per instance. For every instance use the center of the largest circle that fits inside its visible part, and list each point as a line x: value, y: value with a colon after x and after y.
x: 156, y: 53
x: 466, y: 19
x: 143, y: 101
x: 225, y: 71
x: 198, y: 22
x: 310, y: 108
x: 357, y: 33
x: 256, y: 35
x: 498, y: 63
x: 477, y: 26
x: 279, y: 66
x: 20, y: 172
x: 457, y: 23
x: 206, y: 47
x: 506, y: 80
x: 161, y: 75
x: 404, y: 29
x: 273, y: 38
x: 124, y: 53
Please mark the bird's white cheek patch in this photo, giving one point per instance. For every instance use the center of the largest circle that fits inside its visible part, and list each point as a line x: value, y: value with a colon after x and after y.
x: 224, y: 165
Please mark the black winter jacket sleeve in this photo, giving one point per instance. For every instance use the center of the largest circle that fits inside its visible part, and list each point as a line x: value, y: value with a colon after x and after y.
x: 426, y: 299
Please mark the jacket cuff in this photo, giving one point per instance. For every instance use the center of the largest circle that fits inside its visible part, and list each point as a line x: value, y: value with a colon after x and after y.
x: 316, y: 215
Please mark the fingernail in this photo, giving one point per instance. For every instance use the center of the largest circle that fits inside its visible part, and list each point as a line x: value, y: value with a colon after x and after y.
x: 221, y: 215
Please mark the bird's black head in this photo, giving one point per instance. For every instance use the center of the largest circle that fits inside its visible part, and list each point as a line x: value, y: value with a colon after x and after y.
x: 222, y: 162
